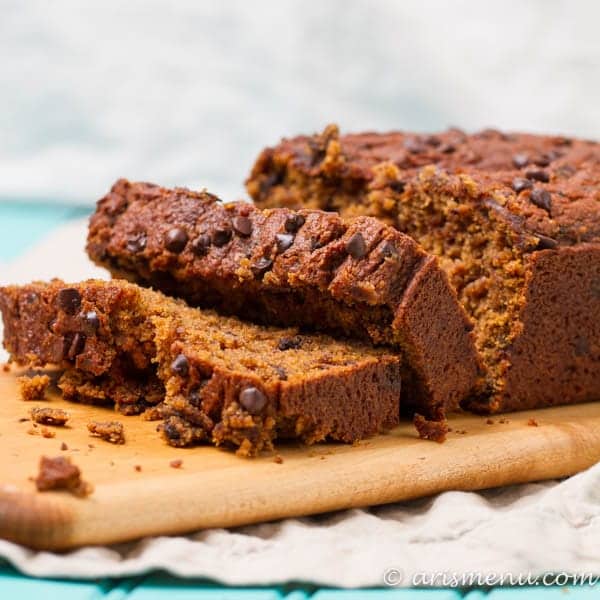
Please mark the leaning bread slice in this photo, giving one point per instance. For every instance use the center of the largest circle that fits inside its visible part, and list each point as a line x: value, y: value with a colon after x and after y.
x: 212, y: 378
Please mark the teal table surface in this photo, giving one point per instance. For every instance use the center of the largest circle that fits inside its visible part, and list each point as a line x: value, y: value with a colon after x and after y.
x: 21, y: 226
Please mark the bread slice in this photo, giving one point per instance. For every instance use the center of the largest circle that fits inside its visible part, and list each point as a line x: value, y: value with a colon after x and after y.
x: 311, y: 269
x: 514, y: 219
x: 222, y: 380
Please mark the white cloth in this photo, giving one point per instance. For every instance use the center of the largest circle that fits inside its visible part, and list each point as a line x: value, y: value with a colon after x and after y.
x: 533, y: 528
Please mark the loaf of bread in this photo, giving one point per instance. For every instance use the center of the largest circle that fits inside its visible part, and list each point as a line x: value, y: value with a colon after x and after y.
x: 211, y: 378
x: 514, y: 220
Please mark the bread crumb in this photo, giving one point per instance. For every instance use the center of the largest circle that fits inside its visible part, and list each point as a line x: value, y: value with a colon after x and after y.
x: 6, y: 367
x: 47, y: 433
x: 489, y: 421
x: 176, y: 464
x: 431, y: 430
x: 61, y: 474
x: 64, y: 446
x: 49, y: 416
x: 24, y: 419
x: 33, y: 388
x: 532, y: 423
x: 504, y: 421
x: 138, y: 468
x: 110, y: 431
x: 278, y: 459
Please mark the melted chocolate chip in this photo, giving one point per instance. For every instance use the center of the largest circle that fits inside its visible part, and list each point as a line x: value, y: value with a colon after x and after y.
x: 284, y: 241
x: 68, y: 300
x: 545, y: 242
x: 242, y: 225
x: 356, y: 246
x: 294, y: 222
x: 541, y: 198
x: 195, y: 395
x: 201, y: 244
x: 261, y: 266
x: 520, y: 183
x: 90, y: 322
x: 538, y: 175
x: 520, y: 160
x: 180, y: 366
x: 221, y: 236
x: 176, y: 240
x: 289, y: 343
x: 137, y: 242
x: 31, y: 297
x: 253, y: 400
x: 74, y: 344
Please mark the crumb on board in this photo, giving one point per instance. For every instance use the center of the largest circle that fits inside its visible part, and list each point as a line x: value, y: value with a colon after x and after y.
x: 430, y: 430
x: 60, y: 473
x: 64, y: 446
x: 278, y: 459
x: 489, y: 421
x: 504, y: 421
x: 49, y: 416
x: 176, y: 464
x: 6, y: 367
x: 24, y: 419
x: 532, y: 423
x: 33, y: 388
x: 110, y: 431
x: 137, y: 468
x: 47, y: 433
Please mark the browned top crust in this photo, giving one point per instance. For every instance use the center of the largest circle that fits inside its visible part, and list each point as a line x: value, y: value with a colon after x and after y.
x: 359, y: 278
x: 515, y: 169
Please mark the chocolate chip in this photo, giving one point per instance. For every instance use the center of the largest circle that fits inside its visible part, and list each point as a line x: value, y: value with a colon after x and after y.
x: 74, y: 344
x: 545, y: 242
x: 253, y: 400
x: 284, y: 241
x: 137, y: 242
x: 242, y: 225
x: 538, y: 175
x: 90, y: 322
x: 261, y: 266
x: 221, y: 236
x: 414, y: 145
x: 68, y: 300
x: 520, y: 160
x: 397, y: 186
x: 201, y: 244
x: 289, y: 343
x: 31, y: 297
x: 541, y: 198
x: 388, y: 250
x: 356, y: 246
x: 176, y: 239
x: 294, y: 222
x: 520, y: 183
x: 180, y: 366
x: 542, y: 160
x: 447, y: 148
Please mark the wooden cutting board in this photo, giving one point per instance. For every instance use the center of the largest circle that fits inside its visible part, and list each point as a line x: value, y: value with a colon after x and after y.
x: 214, y: 488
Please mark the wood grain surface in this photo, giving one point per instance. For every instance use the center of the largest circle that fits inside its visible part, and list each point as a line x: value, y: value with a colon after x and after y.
x: 214, y: 488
